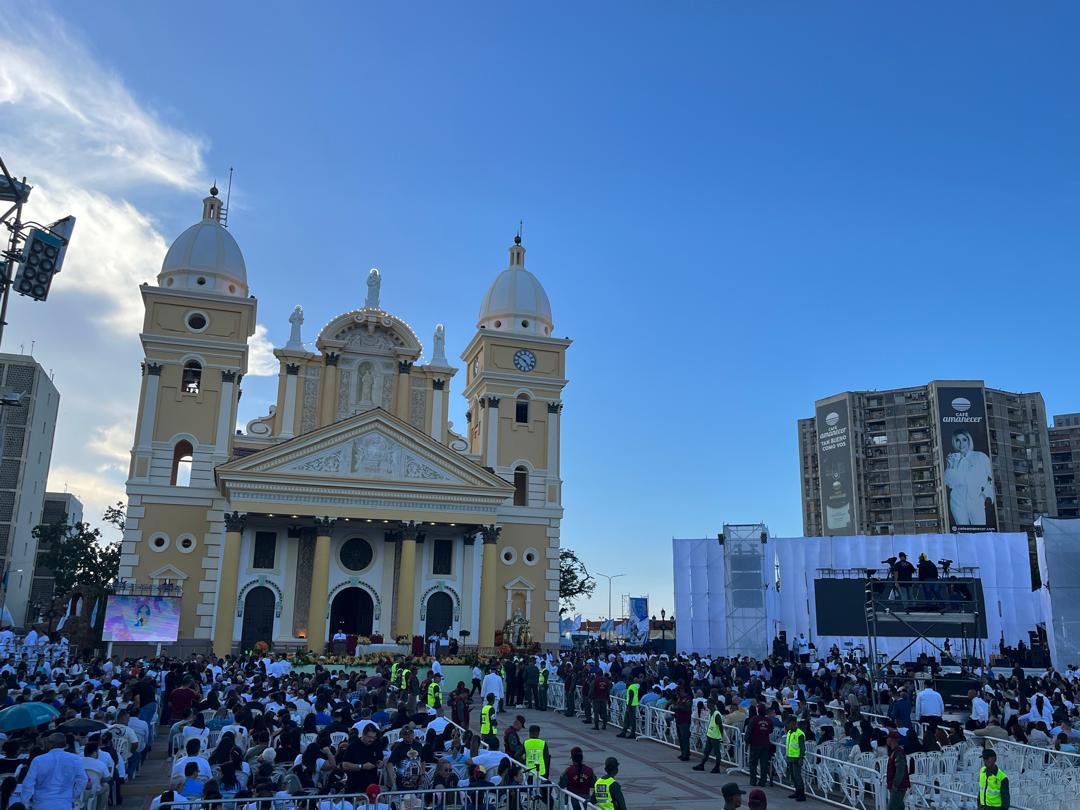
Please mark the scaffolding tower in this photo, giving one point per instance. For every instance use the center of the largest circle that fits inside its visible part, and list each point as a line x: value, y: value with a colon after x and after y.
x: 928, y: 610
x: 744, y: 592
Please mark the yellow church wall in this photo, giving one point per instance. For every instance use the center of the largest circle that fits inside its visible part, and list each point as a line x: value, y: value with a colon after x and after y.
x: 175, y: 521
x: 524, y: 538
x: 187, y: 413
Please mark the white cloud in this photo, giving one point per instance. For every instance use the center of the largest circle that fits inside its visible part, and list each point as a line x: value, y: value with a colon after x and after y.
x: 261, y: 360
x: 89, y: 147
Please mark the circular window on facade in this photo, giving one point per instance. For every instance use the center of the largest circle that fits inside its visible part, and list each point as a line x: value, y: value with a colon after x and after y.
x: 159, y: 542
x: 186, y: 543
x: 356, y: 554
x: 196, y: 321
x: 201, y: 281
x: 509, y: 556
x: 530, y: 556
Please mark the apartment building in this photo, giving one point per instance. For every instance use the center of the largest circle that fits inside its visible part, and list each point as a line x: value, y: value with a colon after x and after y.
x: 1065, y: 459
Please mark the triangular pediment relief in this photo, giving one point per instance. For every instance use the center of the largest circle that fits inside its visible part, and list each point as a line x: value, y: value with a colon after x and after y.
x: 371, y: 446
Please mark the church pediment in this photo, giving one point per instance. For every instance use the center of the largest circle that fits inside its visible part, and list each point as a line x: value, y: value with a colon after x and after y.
x: 372, y: 446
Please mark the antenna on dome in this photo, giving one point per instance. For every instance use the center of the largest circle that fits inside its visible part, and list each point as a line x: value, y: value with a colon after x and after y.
x: 228, y: 196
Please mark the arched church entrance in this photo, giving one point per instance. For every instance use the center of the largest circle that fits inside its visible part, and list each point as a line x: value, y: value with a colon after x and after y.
x: 258, y: 618
x: 440, y: 614
x: 352, y: 612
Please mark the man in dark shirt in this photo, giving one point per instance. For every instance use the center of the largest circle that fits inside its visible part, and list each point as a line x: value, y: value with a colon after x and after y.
x: 182, y: 699
x: 361, y: 760
x: 900, y: 709
x: 760, y: 729
x: 400, y: 753
x: 902, y: 572
x: 928, y: 575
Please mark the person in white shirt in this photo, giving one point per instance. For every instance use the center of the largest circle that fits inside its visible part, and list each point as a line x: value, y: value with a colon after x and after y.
x: 142, y: 729
x: 980, y: 709
x: 477, y: 675
x: 929, y: 705
x: 56, y: 780
x: 493, y: 685
x: 436, y: 667
x: 203, y: 764
x: 96, y: 771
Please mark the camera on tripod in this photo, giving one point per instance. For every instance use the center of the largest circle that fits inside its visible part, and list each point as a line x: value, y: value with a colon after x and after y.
x: 945, y: 566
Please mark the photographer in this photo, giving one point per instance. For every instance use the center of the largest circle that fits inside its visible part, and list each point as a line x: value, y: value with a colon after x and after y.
x: 902, y: 571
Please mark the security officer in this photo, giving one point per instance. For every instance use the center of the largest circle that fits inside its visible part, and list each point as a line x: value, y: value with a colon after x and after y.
x: 434, y: 692
x: 537, y: 755
x: 607, y: 793
x: 541, y: 688
x: 394, y: 667
x: 489, y: 725
x: 795, y: 744
x: 993, y: 783
x: 630, y: 714
x: 713, y: 737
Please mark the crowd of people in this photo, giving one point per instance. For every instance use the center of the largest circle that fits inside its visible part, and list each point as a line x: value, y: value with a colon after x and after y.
x: 245, y: 728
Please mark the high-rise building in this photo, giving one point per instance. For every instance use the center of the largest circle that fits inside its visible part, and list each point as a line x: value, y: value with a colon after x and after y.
x: 943, y: 457
x: 1065, y: 458
x: 28, y: 419
x: 59, y: 507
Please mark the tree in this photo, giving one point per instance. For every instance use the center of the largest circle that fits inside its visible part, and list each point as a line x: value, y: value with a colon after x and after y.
x: 78, y: 555
x: 574, y: 580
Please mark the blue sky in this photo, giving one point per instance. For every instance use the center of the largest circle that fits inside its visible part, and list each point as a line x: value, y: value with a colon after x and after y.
x: 735, y: 209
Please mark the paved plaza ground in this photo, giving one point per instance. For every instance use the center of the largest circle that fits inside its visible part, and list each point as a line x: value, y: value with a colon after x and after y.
x: 651, y: 774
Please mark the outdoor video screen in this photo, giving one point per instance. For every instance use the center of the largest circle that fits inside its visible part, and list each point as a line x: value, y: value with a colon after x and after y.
x: 142, y: 618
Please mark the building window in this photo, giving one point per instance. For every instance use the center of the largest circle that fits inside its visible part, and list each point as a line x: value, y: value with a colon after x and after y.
x: 521, y: 487
x: 521, y: 411
x: 192, y: 379
x: 443, y: 558
x: 265, y: 546
x: 356, y: 554
x: 181, y: 464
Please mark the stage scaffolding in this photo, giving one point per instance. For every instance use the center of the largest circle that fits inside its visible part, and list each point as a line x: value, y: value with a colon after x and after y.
x: 744, y: 592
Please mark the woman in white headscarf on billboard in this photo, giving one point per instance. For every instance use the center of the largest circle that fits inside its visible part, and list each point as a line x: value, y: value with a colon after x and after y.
x: 970, y: 480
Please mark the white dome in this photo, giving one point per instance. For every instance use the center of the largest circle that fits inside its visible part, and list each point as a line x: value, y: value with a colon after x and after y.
x: 206, y: 258
x: 516, y: 301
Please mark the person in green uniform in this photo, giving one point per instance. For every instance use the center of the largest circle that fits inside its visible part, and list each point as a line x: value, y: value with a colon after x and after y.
x: 489, y: 724
x: 714, y: 736
x: 795, y: 744
x: 434, y: 692
x: 630, y: 713
x: 607, y: 793
x: 993, y: 783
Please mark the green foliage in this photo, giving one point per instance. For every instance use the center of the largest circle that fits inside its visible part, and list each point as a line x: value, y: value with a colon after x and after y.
x: 79, y: 555
x: 574, y: 580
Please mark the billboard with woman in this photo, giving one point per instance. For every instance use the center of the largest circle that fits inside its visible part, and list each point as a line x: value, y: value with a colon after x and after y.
x: 965, y: 450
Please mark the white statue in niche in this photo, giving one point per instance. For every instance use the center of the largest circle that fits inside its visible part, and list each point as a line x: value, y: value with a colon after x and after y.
x: 438, y: 352
x: 374, y: 282
x: 366, y: 382
x: 296, y: 320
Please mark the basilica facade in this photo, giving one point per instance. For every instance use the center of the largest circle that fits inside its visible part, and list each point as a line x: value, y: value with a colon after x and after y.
x: 353, y: 505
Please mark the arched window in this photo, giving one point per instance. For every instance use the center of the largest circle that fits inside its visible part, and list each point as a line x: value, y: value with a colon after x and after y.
x: 521, y: 486
x: 521, y: 411
x: 192, y: 378
x: 181, y: 464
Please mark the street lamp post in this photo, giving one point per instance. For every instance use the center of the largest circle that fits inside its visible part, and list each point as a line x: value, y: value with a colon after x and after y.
x: 611, y: 618
x: 663, y: 625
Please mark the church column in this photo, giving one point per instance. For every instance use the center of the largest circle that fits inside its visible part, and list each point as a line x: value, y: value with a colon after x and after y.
x: 320, y: 586
x: 328, y: 412
x: 406, y: 584
x: 288, y: 411
x: 225, y: 418
x: 437, y: 409
x: 227, y: 576
x: 491, y: 457
x: 554, y: 410
x: 488, y: 576
x: 401, y: 409
x: 149, y: 412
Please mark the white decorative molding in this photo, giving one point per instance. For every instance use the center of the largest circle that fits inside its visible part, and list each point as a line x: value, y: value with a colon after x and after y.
x: 373, y: 456
x: 437, y: 588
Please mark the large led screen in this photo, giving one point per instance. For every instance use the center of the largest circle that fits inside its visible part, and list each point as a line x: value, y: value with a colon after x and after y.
x: 142, y: 618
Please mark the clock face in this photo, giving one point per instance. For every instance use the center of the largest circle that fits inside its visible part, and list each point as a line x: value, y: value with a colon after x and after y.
x: 525, y: 360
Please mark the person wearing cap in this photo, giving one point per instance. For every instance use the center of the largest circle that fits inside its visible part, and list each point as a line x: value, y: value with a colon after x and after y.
x: 993, y: 783
x: 55, y: 780
x: 757, y: 800
x: 714, y: 736
x: 897, y: 780
x: 434, y: 691
x: 795, y: 753
x: 607, y: 793
x: 732, y: 794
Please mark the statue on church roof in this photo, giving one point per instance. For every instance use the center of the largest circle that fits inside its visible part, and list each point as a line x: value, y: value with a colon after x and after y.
x: 438, y: 352
x: 296, y: 320
x: 374, y: 282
